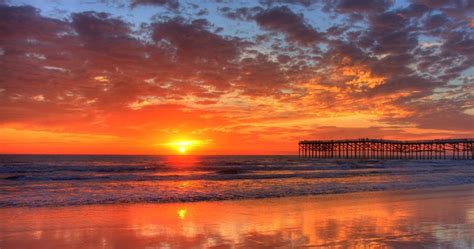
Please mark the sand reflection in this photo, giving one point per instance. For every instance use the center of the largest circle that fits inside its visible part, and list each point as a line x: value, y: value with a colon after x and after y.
x: 442, y: 218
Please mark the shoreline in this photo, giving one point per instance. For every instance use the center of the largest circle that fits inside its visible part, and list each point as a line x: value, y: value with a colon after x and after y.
x: 442, y: 216
x: 402, y: 190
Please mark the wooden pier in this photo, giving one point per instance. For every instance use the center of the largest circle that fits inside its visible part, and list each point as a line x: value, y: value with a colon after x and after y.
x: 366, y: 148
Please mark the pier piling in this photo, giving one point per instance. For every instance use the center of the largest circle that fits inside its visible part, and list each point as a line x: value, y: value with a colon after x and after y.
x: 365, y: 148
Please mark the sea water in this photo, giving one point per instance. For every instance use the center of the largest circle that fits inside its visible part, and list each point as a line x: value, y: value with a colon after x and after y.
x: 65, y: 180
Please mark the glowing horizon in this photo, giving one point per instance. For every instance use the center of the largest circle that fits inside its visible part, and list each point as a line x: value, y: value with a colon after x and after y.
x: 184, y: 146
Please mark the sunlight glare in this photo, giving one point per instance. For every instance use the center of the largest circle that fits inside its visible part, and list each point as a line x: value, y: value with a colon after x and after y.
x: 183, y: 146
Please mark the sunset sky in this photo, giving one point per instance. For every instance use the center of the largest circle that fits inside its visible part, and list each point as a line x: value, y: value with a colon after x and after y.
x: 231, y: 77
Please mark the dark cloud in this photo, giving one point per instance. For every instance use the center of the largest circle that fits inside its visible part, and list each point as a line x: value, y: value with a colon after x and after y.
x: 192, y: 41
x: 262, y: 76
x: 415, y: 10
x: 305, y: 3
x: 293, y: 26
x: 202, y: 12
x: 99, y: 30
x: 19, y: 22
x: 436, y: 21
x: 336, y: 30
x: 450, y: 6
x: 350, y: 6
x: 171, y: 4
x: 243, y: 14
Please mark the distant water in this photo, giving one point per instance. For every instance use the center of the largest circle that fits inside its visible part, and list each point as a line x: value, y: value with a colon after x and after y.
x: 46, y: 180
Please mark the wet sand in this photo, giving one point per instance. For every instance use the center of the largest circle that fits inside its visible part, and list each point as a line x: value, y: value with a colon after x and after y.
x: 440, y: 217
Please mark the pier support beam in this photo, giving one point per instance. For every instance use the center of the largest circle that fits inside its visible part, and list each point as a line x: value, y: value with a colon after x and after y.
x: 455, y: 149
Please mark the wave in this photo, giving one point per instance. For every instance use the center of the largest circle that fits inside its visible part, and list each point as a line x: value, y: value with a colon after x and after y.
x: 228, y: 175
x: 213, y: 166
x: 217, y: 196
x: 81, y: 180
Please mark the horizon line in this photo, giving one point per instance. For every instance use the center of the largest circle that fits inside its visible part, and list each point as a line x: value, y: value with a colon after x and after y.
x: 180, y: 155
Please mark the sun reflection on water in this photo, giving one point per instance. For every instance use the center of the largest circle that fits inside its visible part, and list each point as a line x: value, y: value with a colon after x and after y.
x: 182, y: 213
x: 182, y: 161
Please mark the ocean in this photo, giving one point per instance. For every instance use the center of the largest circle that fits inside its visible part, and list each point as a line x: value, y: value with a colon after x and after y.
x: 68, y: 180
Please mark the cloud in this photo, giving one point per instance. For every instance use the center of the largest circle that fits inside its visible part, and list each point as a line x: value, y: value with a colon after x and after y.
x: 243, y: 14
x: 305, y: 3
x: 293, y: 26
x: 101, y: 73
x: 349, y: 6
x: 17, y: 24
x: 193, y: 41
x: 171, y: 4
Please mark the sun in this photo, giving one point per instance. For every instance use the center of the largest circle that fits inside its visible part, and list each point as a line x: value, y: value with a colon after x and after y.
x: 183, y: 146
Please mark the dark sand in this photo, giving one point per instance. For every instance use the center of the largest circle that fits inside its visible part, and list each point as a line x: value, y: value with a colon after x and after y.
x: 428, y: 218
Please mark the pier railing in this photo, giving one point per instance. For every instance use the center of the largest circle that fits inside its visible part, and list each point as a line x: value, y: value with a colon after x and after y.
x: 366, y: 148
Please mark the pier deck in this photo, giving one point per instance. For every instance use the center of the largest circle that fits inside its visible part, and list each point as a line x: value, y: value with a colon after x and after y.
x: 365, y: 148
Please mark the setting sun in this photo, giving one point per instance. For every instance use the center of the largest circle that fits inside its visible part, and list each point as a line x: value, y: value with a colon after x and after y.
x: 183, y: 146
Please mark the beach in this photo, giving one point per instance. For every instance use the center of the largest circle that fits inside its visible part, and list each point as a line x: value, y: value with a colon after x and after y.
x: 440, y: 217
